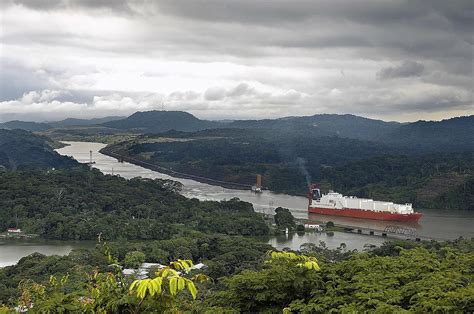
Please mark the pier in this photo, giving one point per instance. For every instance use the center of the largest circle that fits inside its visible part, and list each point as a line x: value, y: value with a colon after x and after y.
x: 390, y: 231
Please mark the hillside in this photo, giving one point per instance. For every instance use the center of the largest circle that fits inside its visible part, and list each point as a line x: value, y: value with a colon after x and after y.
x: 22, y: 149
x: 161, y: 121
x: 288, y: 162
x: 423, y: 136
x: 237, y: 155
x: 83, y: 122
x: 43, y: 126
x: 24, y: 125
x: 418, y: 137
x: 79, y: 204
x: 437, y: 180
x: 446, y: 135
x: 349, y: 126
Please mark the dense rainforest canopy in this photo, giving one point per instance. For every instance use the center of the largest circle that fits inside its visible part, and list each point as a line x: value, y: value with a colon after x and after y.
x: 144, y: 220
x: 21, y: 149
x: 397, y: 277
x: 288, y: 162
x: 80, y: 204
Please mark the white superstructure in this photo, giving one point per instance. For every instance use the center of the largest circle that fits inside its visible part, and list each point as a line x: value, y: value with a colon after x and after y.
x: 334, y: 200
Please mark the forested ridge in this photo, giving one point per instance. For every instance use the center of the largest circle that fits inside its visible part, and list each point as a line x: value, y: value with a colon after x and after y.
x: 79, y: 204
x: 442, y: 135
x: 21, y: 149
x: 287, y: 163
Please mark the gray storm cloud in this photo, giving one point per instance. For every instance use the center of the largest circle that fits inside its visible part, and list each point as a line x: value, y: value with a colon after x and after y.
x: 406, y: 69
x: 397, y: 59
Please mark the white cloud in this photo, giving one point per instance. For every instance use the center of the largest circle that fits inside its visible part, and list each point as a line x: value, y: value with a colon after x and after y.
x: 243, y: 59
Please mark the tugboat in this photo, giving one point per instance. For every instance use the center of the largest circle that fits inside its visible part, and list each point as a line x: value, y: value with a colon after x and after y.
x: 257, y: 188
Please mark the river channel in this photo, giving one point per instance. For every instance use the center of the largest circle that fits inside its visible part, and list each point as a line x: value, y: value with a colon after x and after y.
x: 435, y: 224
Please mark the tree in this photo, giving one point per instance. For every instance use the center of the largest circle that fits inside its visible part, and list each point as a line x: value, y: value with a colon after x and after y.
x: 111, y: 291
x: 330, y: 224
x: 285, y: 277
x: 284, y: 218
x: 134, y: 259
x: 164, y: 287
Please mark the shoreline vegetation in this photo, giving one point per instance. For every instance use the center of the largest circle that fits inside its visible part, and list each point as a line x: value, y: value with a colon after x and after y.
x: 147, y: 221
x: 246, y: 276
x: 398, y: 178
x: 173, y: 173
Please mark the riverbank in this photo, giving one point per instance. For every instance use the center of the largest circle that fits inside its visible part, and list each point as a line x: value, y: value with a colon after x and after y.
x: 21, y: 235
x: 438, y: 224
x: 173, y: 173
x: 12, y: 250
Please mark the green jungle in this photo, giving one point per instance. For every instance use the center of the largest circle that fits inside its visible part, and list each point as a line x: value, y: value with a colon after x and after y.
x: 139, y: 221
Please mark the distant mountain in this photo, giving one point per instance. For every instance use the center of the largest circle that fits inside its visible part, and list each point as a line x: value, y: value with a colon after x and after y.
x: 347, y: 125
x: 39, y: 126
x: 162, y: 121
x: 23, y: 125
x: 83, y: 122
x: 20, y: 149
x: 456, y: 134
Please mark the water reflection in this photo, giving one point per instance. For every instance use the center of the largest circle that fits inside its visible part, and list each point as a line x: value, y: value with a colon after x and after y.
x: 11, y: 251
x: 352, y: 241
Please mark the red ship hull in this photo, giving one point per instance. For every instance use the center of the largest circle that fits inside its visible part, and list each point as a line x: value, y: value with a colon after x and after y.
x: 366, y: 214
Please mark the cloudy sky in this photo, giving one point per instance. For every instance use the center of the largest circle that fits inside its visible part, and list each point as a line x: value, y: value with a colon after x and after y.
x: 224, y: 59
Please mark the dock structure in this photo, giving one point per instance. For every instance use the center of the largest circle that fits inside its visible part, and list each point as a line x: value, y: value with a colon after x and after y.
x: 390, y: 231
x: 91, y: 161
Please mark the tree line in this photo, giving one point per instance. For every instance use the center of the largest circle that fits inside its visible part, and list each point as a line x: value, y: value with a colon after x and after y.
x: 287, y: 163
x: 80, y: 204
x: 399, y: 276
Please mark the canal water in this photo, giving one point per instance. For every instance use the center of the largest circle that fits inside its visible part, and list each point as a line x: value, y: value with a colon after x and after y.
x: 435, y: 224
x: 11, y: 251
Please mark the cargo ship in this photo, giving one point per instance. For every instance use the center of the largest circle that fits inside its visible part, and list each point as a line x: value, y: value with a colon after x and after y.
x: 336, y: 204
